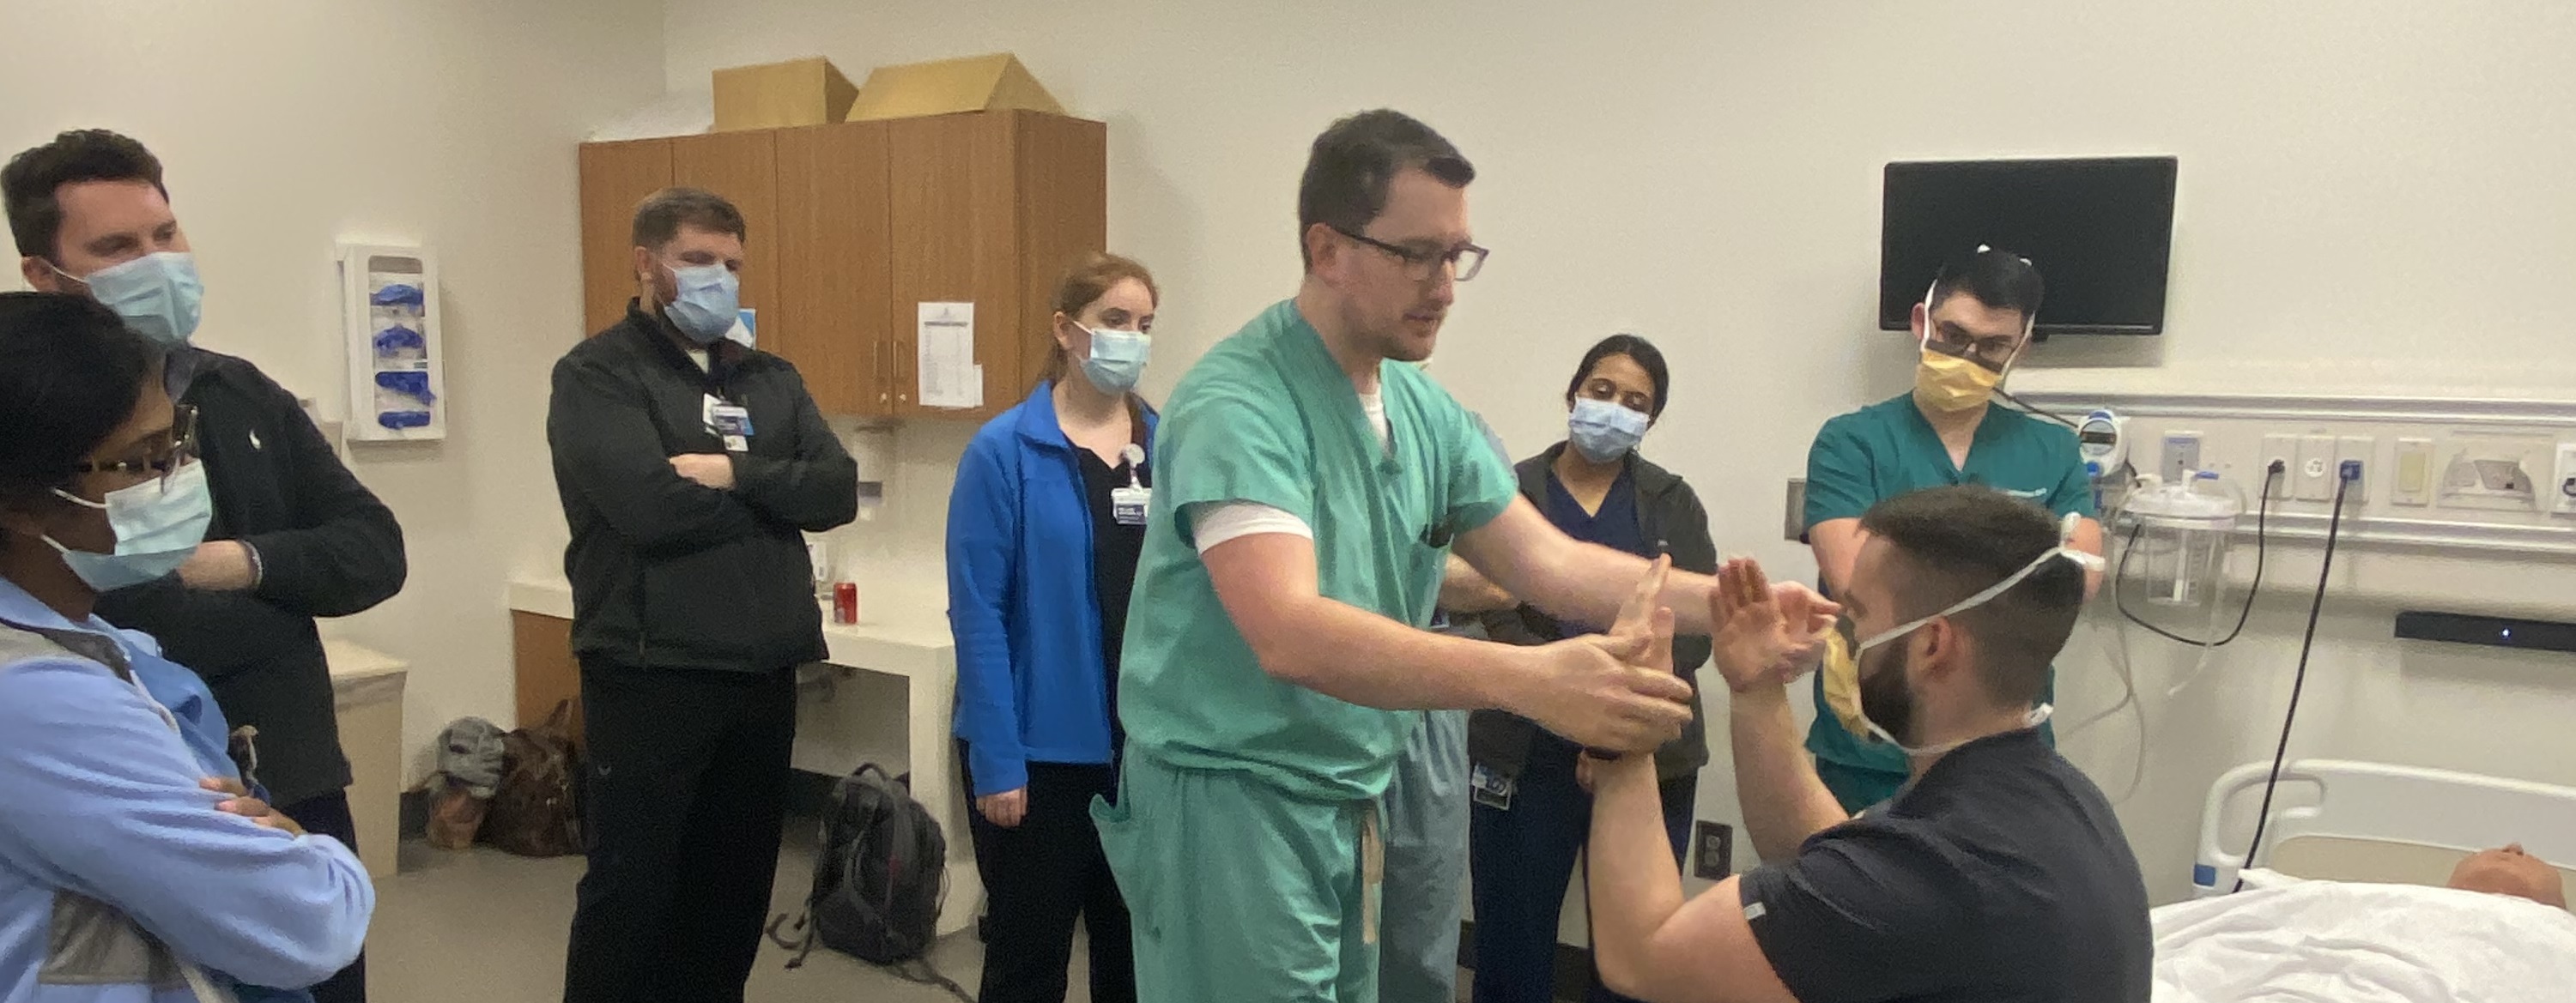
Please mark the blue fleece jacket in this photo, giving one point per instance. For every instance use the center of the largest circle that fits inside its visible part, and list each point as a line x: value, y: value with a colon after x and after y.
x: 109, y: 826
x: 1032, y: 683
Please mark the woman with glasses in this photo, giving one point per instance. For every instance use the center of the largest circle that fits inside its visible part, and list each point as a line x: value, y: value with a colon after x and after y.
x: 1531, y: 810
x: 1045, y: 524
x: 1973, y: 324
x: 133, y: 864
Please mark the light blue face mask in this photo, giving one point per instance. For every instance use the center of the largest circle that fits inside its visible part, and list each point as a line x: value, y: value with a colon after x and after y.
x: 710, y: 297
x: 158, y: 294
x: 1117, y: 359
x: 158, y: 523
x: 1603, y: 431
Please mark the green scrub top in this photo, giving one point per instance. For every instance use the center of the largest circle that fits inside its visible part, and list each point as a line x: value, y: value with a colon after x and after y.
x: 1268, y: 417
x: 1888, y: 449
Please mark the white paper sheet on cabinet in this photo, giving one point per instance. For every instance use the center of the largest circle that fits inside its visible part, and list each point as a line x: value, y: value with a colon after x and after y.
x: 949, y: 376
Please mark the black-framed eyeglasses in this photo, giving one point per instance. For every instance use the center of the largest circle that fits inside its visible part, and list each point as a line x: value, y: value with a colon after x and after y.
x: 158, y: 458
x: 1992, y: 353
x: 1464, y: 260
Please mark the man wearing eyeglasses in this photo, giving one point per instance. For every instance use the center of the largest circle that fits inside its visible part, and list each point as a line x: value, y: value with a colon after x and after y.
x: 1311, y: 487
x: 1973, y: 324
x: 294, y: 536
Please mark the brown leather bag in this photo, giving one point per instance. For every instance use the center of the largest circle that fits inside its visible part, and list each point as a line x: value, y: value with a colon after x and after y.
x: 537, y: 812
x: 455, y: 814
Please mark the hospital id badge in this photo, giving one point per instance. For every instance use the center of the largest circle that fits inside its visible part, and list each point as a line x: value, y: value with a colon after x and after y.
x: 732, y: 422
x: 1128, y: 505
x: 1491, y: 789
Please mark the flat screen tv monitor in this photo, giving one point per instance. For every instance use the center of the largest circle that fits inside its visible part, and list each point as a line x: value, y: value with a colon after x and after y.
x: 2100, y: 230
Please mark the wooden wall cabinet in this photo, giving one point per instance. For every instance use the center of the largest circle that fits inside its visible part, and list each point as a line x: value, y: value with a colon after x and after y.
x: 855, y: 224
x: 614, y: 177
x: 548, y: 674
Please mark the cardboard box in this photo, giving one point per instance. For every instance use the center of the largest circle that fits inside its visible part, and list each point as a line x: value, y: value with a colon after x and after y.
x: 949, y: 86
x: 775, y: 95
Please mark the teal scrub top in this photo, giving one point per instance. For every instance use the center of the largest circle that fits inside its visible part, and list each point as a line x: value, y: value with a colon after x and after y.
x: 1268, y: 417
x: 1888, y: 449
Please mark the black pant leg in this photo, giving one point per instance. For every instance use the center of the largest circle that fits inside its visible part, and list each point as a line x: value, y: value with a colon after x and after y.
x: 328, y: 815
x: 648, y: 734
x: 729, y: 850
x: 1035, y: 882
x: 1104, y: 909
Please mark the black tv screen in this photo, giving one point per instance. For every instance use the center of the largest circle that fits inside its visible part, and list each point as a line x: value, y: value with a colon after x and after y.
x: 2100, y: 230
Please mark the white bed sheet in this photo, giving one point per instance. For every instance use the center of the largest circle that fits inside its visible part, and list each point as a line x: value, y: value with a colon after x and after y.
x: 2364, y: 943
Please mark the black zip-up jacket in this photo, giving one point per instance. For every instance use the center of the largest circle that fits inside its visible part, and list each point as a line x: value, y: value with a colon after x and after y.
x: 326, y: 546
x: 667, y: 573
x: 1671, y: 520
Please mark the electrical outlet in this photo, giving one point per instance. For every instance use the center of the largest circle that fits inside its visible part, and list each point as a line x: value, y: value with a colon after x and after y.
x: 1714, y: 844
x: 2181, y: 456
x: 2363, y: 450
x: 2562, y: 488
x: 2314, y: 471
x: 2284, y: 450
x: 2496, y: 473
x: 2413, y: 481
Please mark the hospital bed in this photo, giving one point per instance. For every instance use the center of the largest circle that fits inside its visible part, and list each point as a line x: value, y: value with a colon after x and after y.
x: 2338, y: 820
x: 2348, y: 902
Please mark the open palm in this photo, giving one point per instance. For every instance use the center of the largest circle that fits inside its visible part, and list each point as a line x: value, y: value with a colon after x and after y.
x: 1765, y: 634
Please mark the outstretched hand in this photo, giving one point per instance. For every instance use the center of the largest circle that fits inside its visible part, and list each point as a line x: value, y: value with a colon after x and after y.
x: 1645, y: 625
x: 1616, y: 692
x: 1765, y: 634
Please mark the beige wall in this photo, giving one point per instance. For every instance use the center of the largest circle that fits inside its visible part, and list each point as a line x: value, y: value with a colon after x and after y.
x: 288, y: 125
x: 2375, y: 199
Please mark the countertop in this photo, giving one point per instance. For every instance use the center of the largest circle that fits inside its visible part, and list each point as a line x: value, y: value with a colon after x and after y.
x: 901, y: 631
x: 360, y: 674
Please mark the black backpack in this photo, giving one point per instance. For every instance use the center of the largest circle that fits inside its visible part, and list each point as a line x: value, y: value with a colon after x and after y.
x: 880, y: 877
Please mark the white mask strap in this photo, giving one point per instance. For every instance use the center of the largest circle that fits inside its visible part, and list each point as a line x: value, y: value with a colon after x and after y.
x: 78, y: 500
x: 2065, y: 535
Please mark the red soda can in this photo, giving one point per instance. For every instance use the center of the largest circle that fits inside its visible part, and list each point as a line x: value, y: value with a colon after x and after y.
x: 845, y: 602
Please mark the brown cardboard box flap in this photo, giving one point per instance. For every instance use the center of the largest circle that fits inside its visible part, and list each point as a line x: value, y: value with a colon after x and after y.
x: 807, y: 91
x: 949, y: 86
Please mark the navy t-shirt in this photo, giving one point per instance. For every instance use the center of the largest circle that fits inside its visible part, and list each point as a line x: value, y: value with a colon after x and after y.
x: 2000, y: 875
x: 1615, y: 526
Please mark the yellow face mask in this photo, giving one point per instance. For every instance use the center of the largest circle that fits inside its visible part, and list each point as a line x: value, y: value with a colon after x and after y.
x: 1842, y: 681
x: 1950, y: 383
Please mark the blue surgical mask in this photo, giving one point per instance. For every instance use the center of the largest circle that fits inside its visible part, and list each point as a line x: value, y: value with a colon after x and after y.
x: 1603, y: 431
x: 709, y: 301
x: 158, y: 523
x: 158, y: 294
x: 1117, y: 359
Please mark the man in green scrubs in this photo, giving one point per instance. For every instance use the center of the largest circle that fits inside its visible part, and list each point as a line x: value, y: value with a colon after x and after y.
x: 1971, y: 326
x: 1309, y: 489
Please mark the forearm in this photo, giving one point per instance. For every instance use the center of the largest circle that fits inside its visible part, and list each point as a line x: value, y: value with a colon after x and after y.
x: 1404, y: 668
x: 811, y: 494
x: 221, y: 566
x: 1634, y: 882
x: 1587, y: 583
x: 343, y: 566
x: 1464, y: 590
x: 1775, y: 780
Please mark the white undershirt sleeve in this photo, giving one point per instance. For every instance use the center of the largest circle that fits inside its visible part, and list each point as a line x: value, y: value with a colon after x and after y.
x: 1215, y: 524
